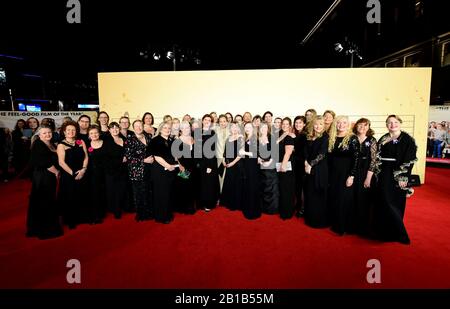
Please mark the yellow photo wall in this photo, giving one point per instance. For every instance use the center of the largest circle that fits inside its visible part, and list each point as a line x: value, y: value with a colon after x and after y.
x: 373, y: 93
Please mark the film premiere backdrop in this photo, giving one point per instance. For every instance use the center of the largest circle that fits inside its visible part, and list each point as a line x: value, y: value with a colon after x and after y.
x: 364, y: 92
x: 8, y: 119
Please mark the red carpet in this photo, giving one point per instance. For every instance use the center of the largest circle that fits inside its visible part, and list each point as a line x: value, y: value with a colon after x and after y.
x: 221, y: 249
x: 437, y: 160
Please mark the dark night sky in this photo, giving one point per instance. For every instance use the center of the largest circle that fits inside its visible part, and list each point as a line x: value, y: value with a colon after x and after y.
x: 229, y: 34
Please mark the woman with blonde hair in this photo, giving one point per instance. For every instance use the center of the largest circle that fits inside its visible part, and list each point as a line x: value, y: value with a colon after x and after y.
x: 328, y: 118
x: 342, y: 163
x: 316, y: 178
x: 232, y: 196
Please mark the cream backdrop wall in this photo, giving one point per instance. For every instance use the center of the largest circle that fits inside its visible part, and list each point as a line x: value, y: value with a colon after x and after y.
x: 369, y: 92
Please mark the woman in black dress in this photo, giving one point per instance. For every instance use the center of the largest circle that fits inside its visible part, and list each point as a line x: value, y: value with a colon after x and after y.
x: 116, y: 171
x: 184, y: 184
x: 149, y: 121
x: 43, y: 217
x: 103, y: 123
x: 342, y: 163
x: 136, y: 154
x: 73, y: 160
x: 163, y: 173
x: 268, y: 173
x: 96, y: 175
x: 251, y: 204
x: 286, y: 175
x: 299, y: 160
x: 364, y: 180
x: 316, y: 174
x: 232, y: 190
x: 209, y: 176
x: 397, y: 152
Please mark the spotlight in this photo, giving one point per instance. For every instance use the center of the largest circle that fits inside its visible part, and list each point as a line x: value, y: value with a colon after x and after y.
x: 156, y: 56
x: 170, y: 55
x: 338, y: 47
x: 143, y: 54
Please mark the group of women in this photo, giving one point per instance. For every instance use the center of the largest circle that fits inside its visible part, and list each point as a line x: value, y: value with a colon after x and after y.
x: 318, y: 167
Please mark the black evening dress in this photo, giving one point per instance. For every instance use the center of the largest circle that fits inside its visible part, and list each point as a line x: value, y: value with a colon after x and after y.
x: 364, y: 197
x: 209, y: 182
x: 97, y: 189
x: 184, y: 186
x: 116, y: 177
x: 342, y: 163
x: 251, y: 205
x: 43, y: 217
x: 286, y: 182
x: 136, y: 152
x: 72, y: 193
x: 397, y: 159
x: 163, y: 180
x: 316, y: 183
x: 269, y: 178
x: 233, y: 183
x: 299, y: 159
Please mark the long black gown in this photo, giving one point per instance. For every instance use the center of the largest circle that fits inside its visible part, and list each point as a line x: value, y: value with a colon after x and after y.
x: 136, y: 152
x: 342, y: 163
x: 364, y: 197
x: 251, y: 205
x: 163, y: 180
x: 97, y: 189
x: 209, y: 182
x: 185, y: 196
x: 299, y: 158
x: 286, y: 182
x: 269, y: 180
x: 397, y: 159
x: 43, y: 217
x: 116, y: 177
x: 233, y: 183
x: 316, y: 183
x: 72, y: 193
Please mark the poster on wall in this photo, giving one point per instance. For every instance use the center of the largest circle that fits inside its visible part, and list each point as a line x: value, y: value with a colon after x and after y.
x: 438, y: 146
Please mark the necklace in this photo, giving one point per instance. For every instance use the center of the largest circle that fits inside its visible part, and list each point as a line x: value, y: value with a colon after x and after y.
x: 70, y: 143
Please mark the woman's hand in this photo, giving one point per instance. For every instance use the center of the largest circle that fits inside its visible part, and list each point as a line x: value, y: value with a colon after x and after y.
x: 283, y: 167
x: 349, y: 181
x: 171, y: 168
x: 79, y: 174
x: 124, y: 160
x: 308, y: 169
x: 402, y: 184
x: 367, y: 182
x: 181, y: 167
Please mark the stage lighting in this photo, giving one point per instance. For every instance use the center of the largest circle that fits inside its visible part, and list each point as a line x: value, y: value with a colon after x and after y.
x: 170, y: 55
x: 338, y: 47
x: 156, y: 56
